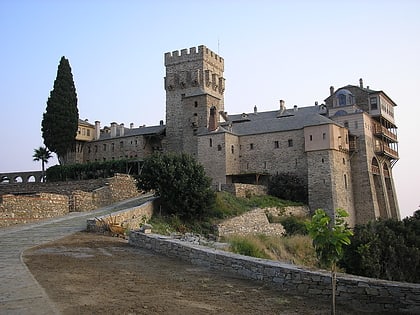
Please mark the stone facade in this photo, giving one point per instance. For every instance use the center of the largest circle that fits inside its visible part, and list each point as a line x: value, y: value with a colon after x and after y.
x: 343, y: 150
x: 364, y: 294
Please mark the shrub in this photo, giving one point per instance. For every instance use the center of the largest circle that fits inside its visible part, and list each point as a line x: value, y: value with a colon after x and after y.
x: 289, y: 187
x: 294, y: 225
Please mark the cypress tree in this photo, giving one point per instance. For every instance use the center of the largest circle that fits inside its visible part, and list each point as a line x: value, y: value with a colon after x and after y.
x: 60, y: 120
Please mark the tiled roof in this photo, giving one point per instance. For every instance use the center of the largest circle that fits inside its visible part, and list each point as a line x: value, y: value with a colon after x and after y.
x: 141, y: 131
x: 272, y: 121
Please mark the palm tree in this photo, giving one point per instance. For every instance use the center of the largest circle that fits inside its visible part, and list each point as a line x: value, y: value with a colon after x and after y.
x: 42, y: 154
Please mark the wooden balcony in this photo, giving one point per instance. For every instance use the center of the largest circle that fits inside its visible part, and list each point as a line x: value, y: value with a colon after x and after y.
x: 383, y: 149
x: 380, y: 130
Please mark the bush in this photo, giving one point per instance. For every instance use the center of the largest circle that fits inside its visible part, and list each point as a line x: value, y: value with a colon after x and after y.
x: 294, y: 225
x: 386, y: 249
x: 289, y: 187
x: 181, y: 183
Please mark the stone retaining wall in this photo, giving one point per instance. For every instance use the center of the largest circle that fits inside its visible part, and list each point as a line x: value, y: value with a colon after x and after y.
x: 251, y: 222
x: 130, y: 218
x: 25, y: 209
x: 244, y: 190
x: 24, y: 203
x: 360, y: 293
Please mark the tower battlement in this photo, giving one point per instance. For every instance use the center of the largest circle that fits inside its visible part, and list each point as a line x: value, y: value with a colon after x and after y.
x: 194, y: 53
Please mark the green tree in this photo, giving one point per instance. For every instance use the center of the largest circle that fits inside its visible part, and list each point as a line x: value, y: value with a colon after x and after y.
x: 60, y: 121
x: 385, y: 249
x: 329, y: 237
x: 42, y: 154
x: 181, y: 183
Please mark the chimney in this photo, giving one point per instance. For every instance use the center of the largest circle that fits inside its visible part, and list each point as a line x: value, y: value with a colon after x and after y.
x: 161, y: 123
x: 121, y: 130
x: 255, y: 109
x: 316, y: 103
x: 295, y: 108
x: 131, y: 125
x: 361, y: 83
x: 113, y: 129
x: 331, y: 90
x: 212, y: 119
x: 97, y: 130
x: 282, y: 108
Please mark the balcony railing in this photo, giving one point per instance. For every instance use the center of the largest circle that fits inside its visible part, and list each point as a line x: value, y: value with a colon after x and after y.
x: 380, y: 130
x: 383, y: 149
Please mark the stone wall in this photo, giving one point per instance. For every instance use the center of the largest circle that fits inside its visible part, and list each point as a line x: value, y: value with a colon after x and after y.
x: 26, y: 209
x: 360, y: 293
x: 29, y: 202
x: 252, y: 222
x: 244, y: 190
x: 130, y: 218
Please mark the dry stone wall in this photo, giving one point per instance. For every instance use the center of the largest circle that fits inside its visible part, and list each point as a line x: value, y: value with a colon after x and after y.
x: 29, y: 201
x: 252, y: 222
x: 25, y: 209
x: 364, y: 294
x: 130, y: 218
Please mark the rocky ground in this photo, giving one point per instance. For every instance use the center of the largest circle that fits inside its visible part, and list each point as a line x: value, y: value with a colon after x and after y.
x: 96, y: 274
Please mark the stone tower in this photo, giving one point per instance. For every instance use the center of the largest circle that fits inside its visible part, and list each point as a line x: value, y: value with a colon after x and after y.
x: 194, y: 84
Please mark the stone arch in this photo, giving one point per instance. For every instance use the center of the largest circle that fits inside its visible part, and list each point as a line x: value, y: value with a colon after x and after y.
x: 379, y: 189
x: 390, y: 191
x: 18, y: 179
x: 4, y: 179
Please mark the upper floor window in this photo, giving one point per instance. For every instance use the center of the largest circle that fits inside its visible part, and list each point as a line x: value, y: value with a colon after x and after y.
x: 276, y: 145
x: 373, y: 103
x: 324, y: 136
x: 210, y: 142
x: 290, y: 142
x: 251, y: 146
x: 232, y: 149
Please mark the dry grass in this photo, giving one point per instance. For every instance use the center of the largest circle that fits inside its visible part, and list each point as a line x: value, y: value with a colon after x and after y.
x: 296, y: 249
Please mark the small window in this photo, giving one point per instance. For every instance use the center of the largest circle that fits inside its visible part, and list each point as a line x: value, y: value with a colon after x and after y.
x: 112, y: 147
x: 219, y: 147
x: 88, y: 132
x: 344, y: 161
x: 290, y: 142
x: 251, y: 146
x: 373, y: 103
x: 121, y: 144
x: 265, y: 165
x: 211, y: 142
x: 345, y: 181
x: 195, y: 104
x: 310, y: 137
x: 324, y: 136
x: 346, y: 124
x: 322, y: 160
x: 276, y: 145
x: 232, y: 149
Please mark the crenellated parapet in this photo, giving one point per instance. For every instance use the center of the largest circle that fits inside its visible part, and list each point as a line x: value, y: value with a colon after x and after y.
x: 194, y: 53
x: 194, y: 67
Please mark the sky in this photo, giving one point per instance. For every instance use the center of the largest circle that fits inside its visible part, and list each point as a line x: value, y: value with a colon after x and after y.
x: 292, y: 50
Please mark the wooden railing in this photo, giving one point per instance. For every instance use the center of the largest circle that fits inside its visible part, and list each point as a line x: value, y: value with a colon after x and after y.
x: 381, y: 130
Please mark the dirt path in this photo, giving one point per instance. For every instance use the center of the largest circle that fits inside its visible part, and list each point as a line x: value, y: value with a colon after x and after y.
x: 94, y: 274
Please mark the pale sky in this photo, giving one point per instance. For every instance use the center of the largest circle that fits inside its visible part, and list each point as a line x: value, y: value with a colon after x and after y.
x: 291, y: 50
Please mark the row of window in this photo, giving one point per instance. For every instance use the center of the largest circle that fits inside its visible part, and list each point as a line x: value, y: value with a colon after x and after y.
x: 84, y: 132
x: 105, y: 146
x: 251, y: 145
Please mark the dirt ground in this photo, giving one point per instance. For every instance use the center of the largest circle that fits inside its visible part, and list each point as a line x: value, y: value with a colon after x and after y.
x: 96, y: 274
